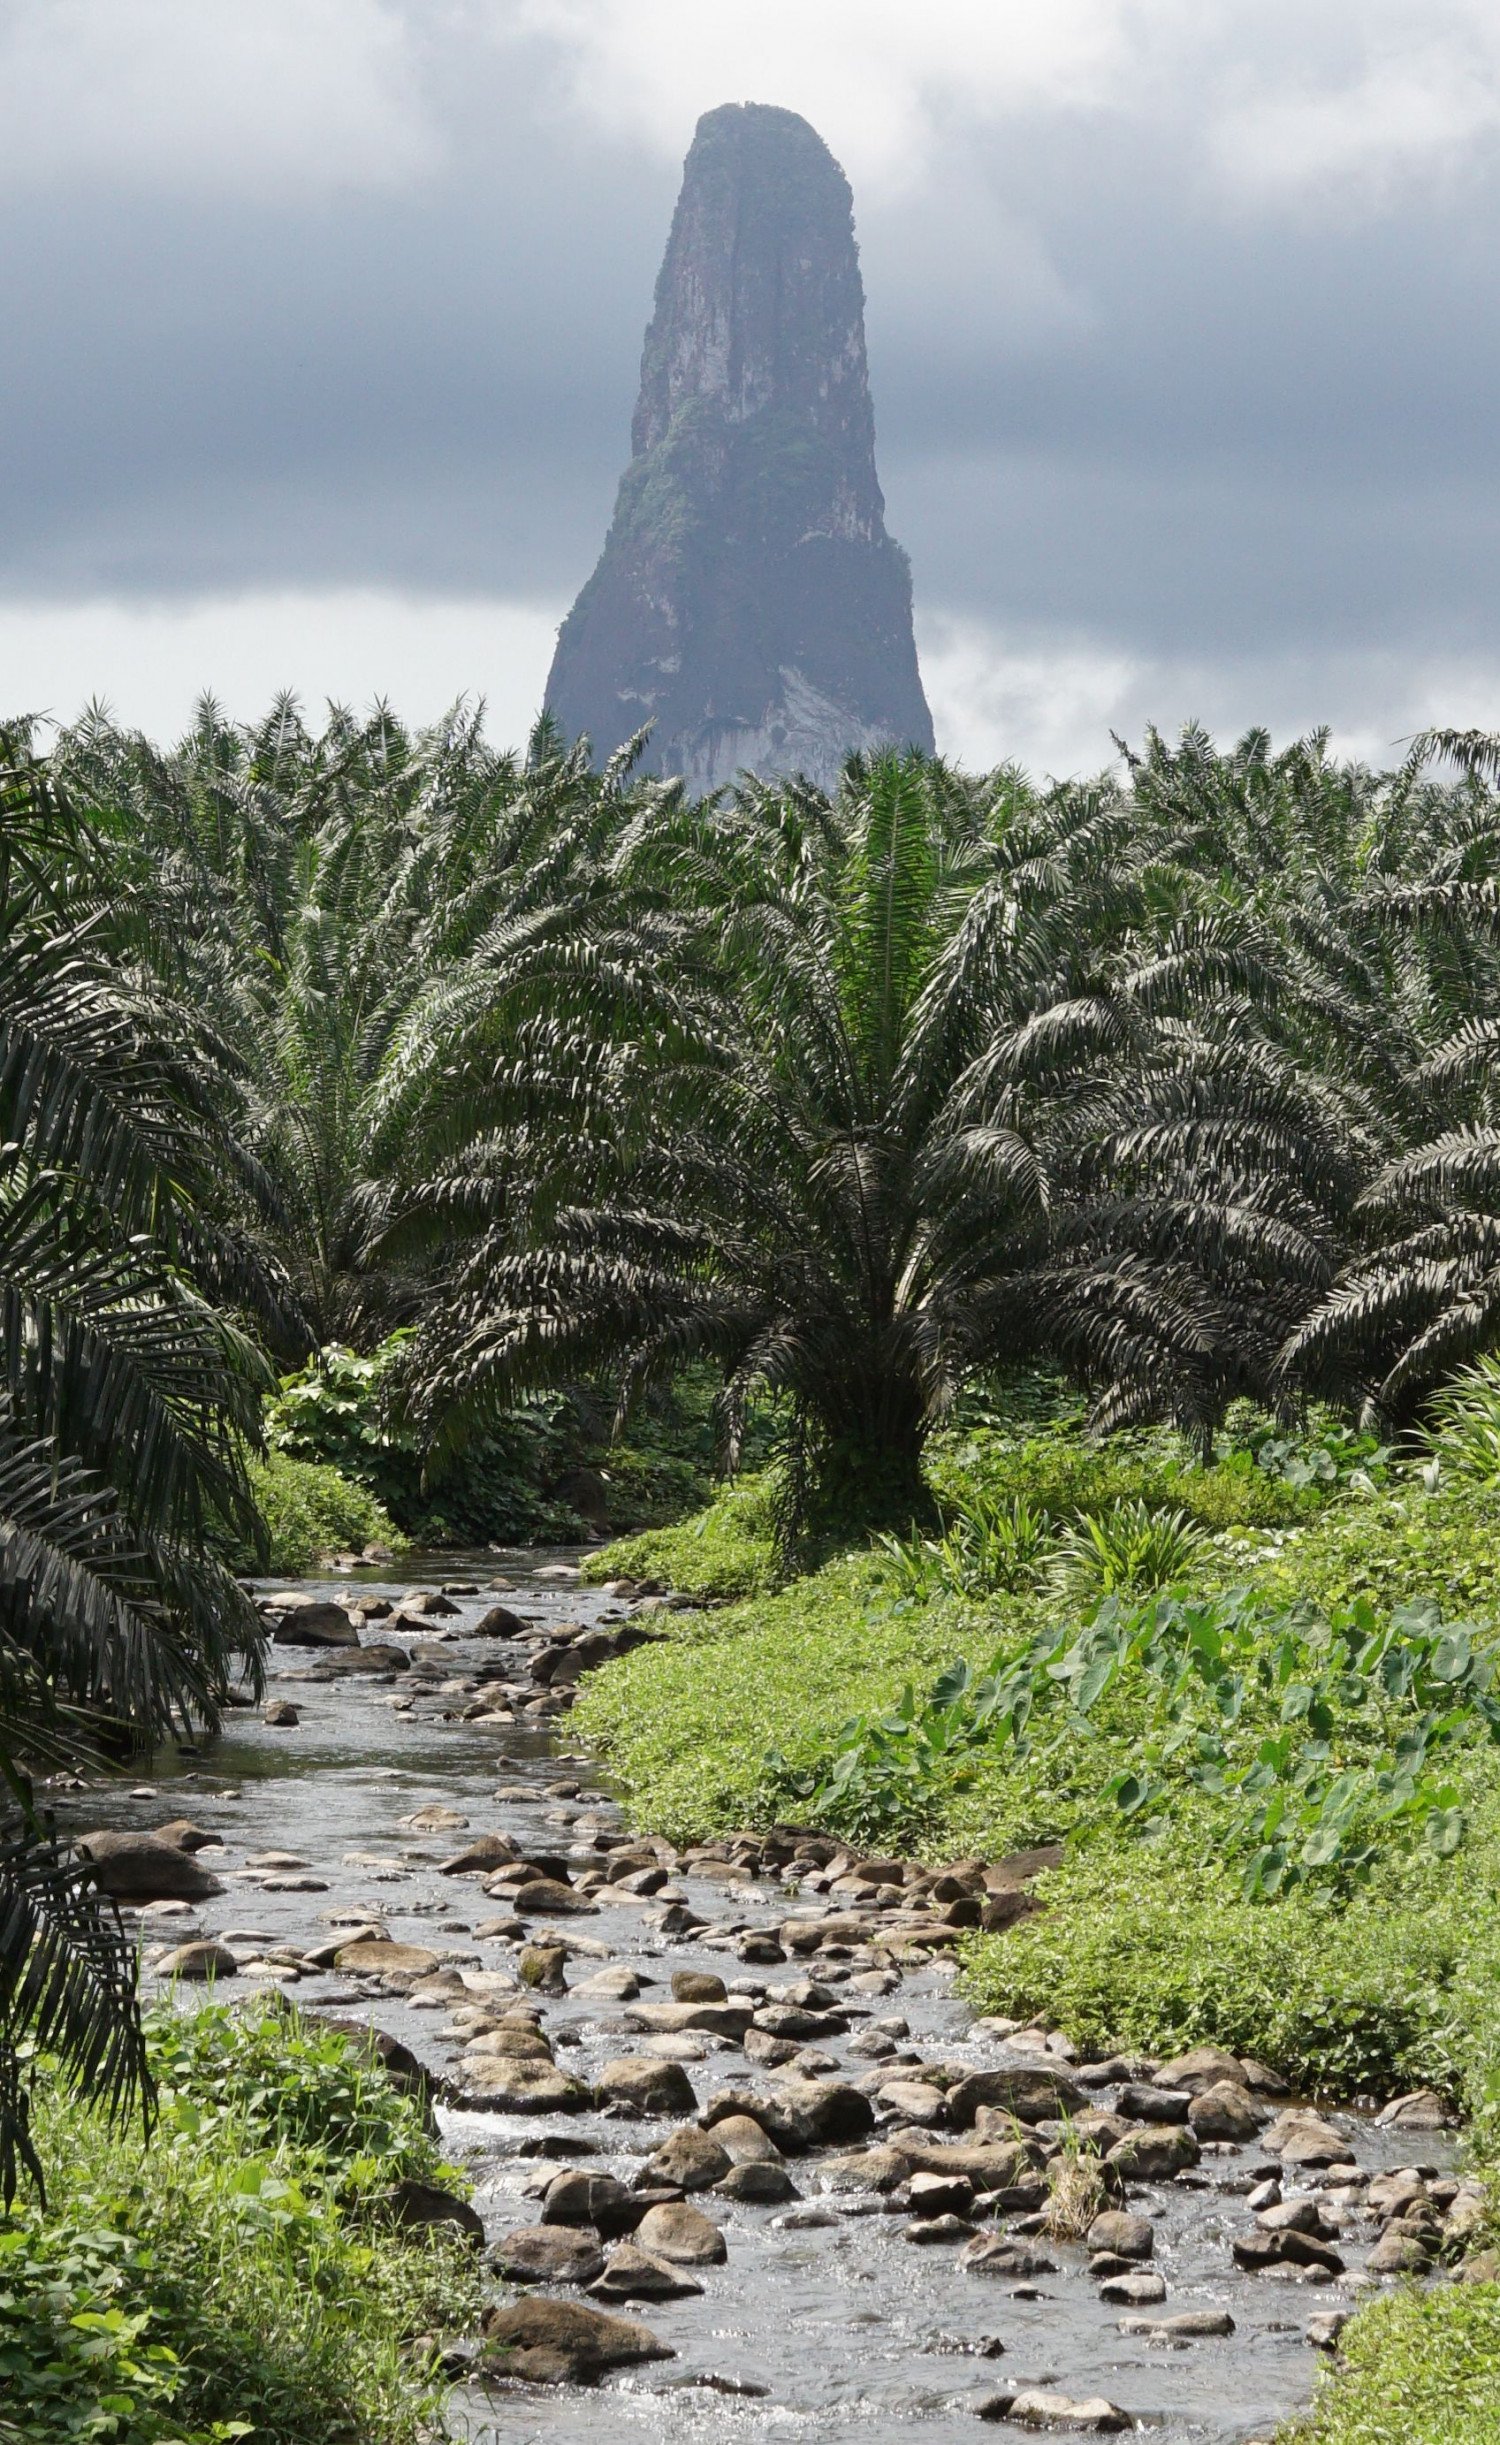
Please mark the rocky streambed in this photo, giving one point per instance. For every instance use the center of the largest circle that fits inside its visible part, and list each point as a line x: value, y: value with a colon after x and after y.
x: 745, y: 2165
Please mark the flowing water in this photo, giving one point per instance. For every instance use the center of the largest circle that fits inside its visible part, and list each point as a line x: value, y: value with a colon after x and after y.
x: 834, y: 2326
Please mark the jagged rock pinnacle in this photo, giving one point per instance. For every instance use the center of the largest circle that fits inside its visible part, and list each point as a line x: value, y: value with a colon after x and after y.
x: 749, y: 602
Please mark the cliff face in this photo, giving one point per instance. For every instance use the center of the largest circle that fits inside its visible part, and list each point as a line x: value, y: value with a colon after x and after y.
x: 748, y: 601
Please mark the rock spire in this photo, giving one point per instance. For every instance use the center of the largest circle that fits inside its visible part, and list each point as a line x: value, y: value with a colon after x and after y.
x: 749, y: 602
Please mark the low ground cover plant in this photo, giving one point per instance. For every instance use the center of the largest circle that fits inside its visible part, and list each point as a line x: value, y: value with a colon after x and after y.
x: 232, y: 2276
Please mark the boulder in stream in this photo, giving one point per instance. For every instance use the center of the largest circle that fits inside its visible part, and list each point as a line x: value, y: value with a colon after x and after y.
x: 546, y: 2342
x: 143, y: 1868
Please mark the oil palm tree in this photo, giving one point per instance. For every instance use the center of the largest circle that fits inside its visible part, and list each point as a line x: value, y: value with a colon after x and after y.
x: 125, y: 1405
x: 847, y: 1096
x: 333, y: 910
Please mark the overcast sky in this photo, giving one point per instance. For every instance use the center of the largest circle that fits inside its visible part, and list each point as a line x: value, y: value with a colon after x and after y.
x: 322, y: 319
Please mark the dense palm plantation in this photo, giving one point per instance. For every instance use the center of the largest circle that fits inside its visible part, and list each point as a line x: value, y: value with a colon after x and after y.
x: 125, y: 1401
x: 336, y: 915
x: 1180, y: 1081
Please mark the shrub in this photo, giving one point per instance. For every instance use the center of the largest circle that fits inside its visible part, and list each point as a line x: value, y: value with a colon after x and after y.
x: 311, y: 1511
x: 727, y: 1549
x: 1154, y: 1946
x: 227, y: 2280
x: 1417, y: 2368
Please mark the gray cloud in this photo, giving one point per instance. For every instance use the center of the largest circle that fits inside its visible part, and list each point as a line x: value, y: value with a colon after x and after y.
x: 1185, y: 353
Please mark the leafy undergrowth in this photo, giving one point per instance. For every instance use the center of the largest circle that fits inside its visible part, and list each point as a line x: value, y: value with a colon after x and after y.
x: 232, y: 2277
x: 547, y: 1471
x: 726, y: 1549
x: 1418, y: 2368
x: 1326, y: 1735
x: 311, y: 1510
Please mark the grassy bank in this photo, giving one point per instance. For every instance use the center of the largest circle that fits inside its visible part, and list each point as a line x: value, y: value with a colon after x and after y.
x: 234, y: 2277
x: 822, y: 1701
x: 1333, y: 1610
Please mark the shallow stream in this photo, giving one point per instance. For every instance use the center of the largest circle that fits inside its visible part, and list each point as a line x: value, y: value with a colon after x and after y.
x: 843, y: 2329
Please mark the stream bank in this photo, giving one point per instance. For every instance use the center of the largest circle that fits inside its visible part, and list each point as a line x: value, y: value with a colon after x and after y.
x: 832, y: 2311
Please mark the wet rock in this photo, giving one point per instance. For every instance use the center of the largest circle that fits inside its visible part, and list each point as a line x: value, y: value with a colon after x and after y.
x: 715, y: 2019
x: 630, y: 2274
x: 485, y: 1851
x: 757, y: 2184
x: 1134, y: 2291
x: 1303, y: 2137
x: 691, y: 2160
x: 1324, y: 2330
x: 541, y: 1966
x: 1028, y: 2096
x: 143, y: 1868
x: 617, y: 1984
x: 578, y: 2197
x: 435, y: 1819
x: 1392, y: 2194
x: 388, y: 1960
x: 1036, y: 2408
x: 429, y: 1604
x: 314, y: 1625
x: 916, y: 2101
x: 544, y: 1897
x: 1200, y: 2068
x: 698, y: 1987
x: 1257, y: 2251
x: 513, y: 2042
x: 200, y: 1960
x: 773, y: 2053
x: 545, y: 2342
x: 1225, y: 2110
x: 425, y: 2206
x: 1422, y: 2109
x: 373, y: 1660
x: 548, y: 2254
x: 939, y: 2194
x: 1401, y: 2251
x: 995, y: 2167
x: 498, y: 1621
x: 1155, y: 2155
x: 1000, y: 2254
x: 1140, y: 2101
x: 1125, y: 2235
x: 744, y: 2140
x: 184, y: 1835
x: 1185, y: 2325
x: 823, y: 2113
x: 642, y: 2084
x: 682, y: 2235
x: 281, y: 1715
x: 927, y: 2231
x: 493, y: 2086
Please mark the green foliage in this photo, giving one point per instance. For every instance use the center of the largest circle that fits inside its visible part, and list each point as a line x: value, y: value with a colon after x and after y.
x: 311, y: 1511
x: 1153, y: 1945
x: 126, y: 1402
x: 75, y: 2363
x: 227, y: 2281
x: 1124, y: 1549
x: 727, y: 1549
x: 993, y: 1543
x: 340, y: 1410
x: 1321, y: 1744
x: 1419, y: 2367
x: 288, y: 2081
x: 1463, y: 1437
x: 514, y: 1481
